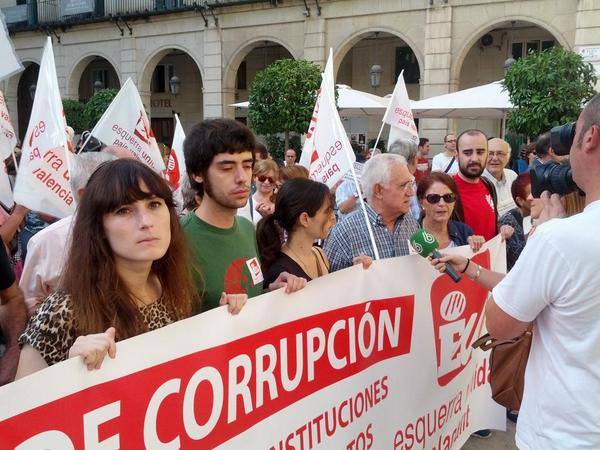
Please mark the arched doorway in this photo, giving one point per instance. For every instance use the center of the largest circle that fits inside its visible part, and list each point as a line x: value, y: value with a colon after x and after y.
x: 245, y: 63
x: 98, y: 74
x: 175, y: 88
x: 260, y: 55
x: 484, y: 60
x: 25, y: 95
x: 368, y: 53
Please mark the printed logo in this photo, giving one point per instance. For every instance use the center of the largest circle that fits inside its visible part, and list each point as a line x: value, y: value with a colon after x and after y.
x: 173, y: 170
x: 255, y: 272
x: 143, y: 130
x: 457, y: 320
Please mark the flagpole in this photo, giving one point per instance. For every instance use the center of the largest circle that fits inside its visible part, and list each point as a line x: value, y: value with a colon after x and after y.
x: 15, y: 160
x: 379, y: 135
x: 360, y: 196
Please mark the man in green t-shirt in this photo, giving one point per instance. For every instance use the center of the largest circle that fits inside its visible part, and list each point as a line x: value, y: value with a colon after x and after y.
x: 219, y: 156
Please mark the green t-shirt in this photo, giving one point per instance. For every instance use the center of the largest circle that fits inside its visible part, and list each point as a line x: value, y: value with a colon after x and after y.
x: 227, y: 259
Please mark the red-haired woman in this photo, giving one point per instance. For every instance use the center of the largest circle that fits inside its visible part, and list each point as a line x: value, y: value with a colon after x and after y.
x: 127, y: 271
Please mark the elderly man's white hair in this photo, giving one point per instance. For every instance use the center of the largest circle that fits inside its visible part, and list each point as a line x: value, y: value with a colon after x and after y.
x: 405, y: 148
x: 379, y: 170
x: 83, y: 166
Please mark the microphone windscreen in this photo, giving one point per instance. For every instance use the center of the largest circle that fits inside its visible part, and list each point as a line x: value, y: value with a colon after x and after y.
x: 423, y: 242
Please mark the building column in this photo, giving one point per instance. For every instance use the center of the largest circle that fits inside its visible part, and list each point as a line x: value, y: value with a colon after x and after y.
x: 436, y: 74
x: 314, y: 41
x: 587, y: 33
x: 213, y: 95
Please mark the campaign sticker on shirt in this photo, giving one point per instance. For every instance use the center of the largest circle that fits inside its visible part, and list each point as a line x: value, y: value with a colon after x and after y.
x: 255, y: 272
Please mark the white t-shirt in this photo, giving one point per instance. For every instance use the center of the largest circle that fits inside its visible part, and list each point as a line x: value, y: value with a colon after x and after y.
x: 556, y: 282
x: 505, y: 199
x: 441, y: 161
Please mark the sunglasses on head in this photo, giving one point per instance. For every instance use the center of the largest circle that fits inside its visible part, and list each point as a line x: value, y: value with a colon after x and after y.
x: 263, y: 178
x: 435, y: 198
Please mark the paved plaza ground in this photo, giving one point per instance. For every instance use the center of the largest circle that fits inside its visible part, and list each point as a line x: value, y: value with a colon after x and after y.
x: 499, y: 440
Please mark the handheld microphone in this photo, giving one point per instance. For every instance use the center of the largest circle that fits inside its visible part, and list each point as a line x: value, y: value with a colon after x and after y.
x: 425, y: 244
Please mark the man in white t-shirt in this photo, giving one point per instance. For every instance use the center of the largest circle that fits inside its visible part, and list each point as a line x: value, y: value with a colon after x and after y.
x: 441, y: 161
x: 501, y: 177
x: 555, y: 286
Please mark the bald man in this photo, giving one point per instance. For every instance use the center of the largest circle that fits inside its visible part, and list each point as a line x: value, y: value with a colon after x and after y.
x: 499, y: 175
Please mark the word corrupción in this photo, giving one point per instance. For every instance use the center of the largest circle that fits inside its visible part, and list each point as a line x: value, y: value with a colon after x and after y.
x: 208, y: 397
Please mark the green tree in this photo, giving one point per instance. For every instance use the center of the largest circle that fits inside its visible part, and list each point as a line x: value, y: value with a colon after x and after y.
x: 75, y: 115
x: 96, y: 106
x: 282, y: 97
x: 547, y: 89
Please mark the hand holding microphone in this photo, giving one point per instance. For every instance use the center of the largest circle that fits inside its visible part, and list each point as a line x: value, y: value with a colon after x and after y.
x: 425, y: 245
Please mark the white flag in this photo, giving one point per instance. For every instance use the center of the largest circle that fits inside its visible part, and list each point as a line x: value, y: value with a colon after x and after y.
x: 331, y: 155
x: 10, y: 63
x: 125, y: 124
x: 399, y: 115
x: 6, y: 196
x: 327, y: 79
x: 8, y: 138
x: 43, y: 177
x: 176, y: 165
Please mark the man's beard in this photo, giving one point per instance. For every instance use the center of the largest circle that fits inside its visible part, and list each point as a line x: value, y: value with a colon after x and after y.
x: 220, y: 199
x: 471, y: 175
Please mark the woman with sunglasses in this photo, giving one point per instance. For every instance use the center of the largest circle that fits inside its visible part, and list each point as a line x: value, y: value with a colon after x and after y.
x: 438, y: 196
x: 127, y: 271
x: 265, y: 178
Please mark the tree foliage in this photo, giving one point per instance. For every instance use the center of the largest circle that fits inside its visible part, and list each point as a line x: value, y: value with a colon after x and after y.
x: 282, y: 97
x: 547, y: 89
x: 75, y: 115
x: 277, y: 147
x: 96, y: 106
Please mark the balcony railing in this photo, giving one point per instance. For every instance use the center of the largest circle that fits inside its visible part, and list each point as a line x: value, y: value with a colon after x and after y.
x: 40, y: 13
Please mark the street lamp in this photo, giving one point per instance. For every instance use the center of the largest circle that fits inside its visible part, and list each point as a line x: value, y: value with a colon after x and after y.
x: 32, y: 89
x: 98, y: 86
x: 376, y: 72
x: 174, y: 84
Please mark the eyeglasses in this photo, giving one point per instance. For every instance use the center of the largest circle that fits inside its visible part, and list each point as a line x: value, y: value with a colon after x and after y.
x: 435, y: 198
x: 498, y: 154
x: 451, y: 140
x: 263, y: 178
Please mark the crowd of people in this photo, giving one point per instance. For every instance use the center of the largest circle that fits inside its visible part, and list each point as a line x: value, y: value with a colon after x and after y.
x: 250, y: 225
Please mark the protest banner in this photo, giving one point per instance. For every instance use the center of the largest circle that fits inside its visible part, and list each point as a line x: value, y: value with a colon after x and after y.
x: 8, y: 137
x: 43, y: 177
x: 10, y: 62
x: 399, y: 115
x: 125, y: 124
x: 176, y: 169
x: 327, y: 80
x: 359, y: 359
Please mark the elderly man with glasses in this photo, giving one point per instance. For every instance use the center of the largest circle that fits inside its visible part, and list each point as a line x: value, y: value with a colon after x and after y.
x: 388, y: 187
x: 501, y: 177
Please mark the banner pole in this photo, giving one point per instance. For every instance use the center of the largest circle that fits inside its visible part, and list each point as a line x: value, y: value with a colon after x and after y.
x: 15, y: 160
x: 85, y: 143
x: 360, y: 197
x: 379, y: 135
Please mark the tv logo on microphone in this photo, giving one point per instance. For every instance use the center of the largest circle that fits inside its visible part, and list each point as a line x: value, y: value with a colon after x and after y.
x: 457, y: 320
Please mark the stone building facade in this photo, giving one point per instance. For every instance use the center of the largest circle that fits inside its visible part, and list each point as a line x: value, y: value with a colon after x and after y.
x: 216, y: 49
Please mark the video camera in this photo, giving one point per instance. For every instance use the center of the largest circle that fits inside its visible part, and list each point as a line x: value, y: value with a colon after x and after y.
x: 552, y: 176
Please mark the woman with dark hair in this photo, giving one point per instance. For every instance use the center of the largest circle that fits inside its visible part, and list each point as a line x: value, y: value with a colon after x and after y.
x: 521, y: 193
x: 438, y: 195
x: 304, y: 211
x: 127, y: 271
